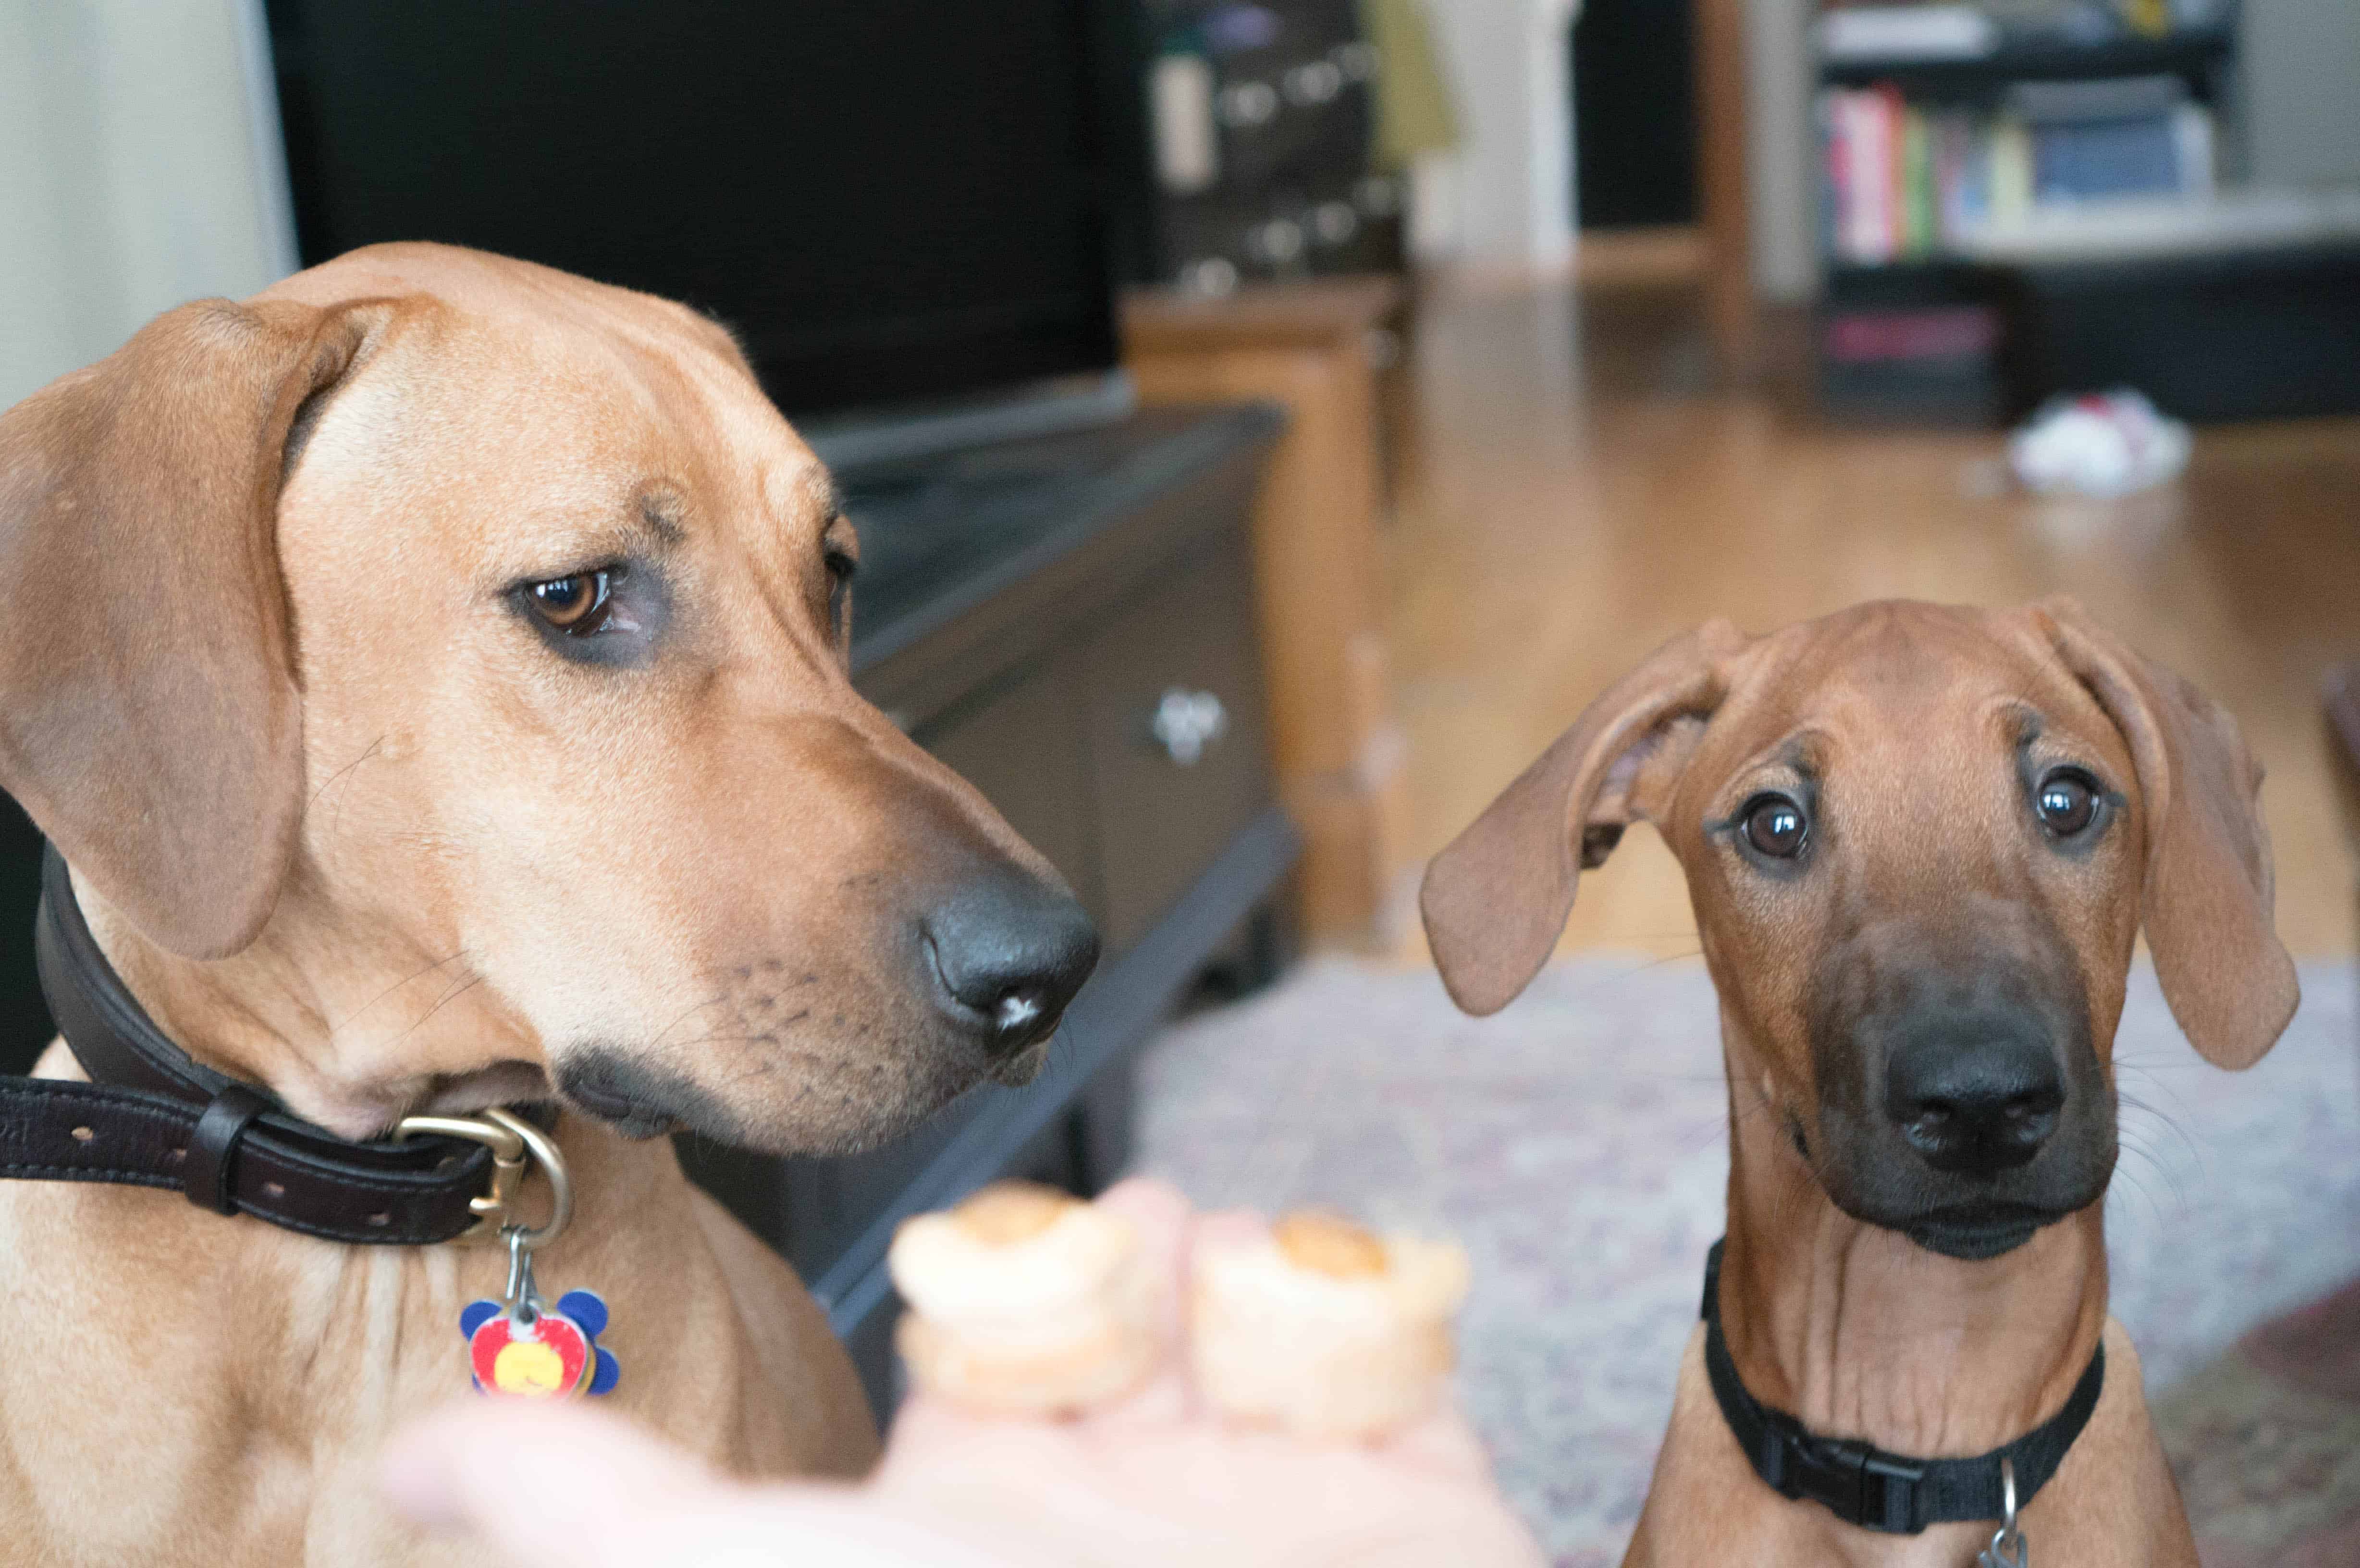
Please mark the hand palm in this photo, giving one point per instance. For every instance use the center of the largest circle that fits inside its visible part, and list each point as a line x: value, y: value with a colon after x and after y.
x: 1152, y: 1482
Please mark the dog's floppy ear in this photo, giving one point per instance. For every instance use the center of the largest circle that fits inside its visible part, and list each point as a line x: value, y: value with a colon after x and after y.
x: 2208, y: 879
x: 149, y: 719
x: 1496, y: 898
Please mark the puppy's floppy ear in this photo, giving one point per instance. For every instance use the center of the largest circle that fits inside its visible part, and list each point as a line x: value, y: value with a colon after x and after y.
x: 1497, y: 897
x: 149, y: 719
x: 2207, y: 896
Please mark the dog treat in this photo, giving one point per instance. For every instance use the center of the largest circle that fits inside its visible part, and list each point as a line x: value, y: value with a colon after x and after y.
x: 1025, y: 1301
x: 1324, y: 1329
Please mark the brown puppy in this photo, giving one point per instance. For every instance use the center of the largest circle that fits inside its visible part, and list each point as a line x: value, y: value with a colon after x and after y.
x: 1920, y: 843
x: 434, y: 672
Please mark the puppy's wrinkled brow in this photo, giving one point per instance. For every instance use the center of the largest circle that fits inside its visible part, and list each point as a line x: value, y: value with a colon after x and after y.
x: 2025, y: 722
x: 661, y: 514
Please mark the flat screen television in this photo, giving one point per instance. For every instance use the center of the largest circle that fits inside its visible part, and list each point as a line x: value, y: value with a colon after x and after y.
x: 904, y: 208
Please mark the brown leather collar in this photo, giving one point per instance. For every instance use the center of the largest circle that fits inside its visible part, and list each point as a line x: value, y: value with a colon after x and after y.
x: 152, y: 1118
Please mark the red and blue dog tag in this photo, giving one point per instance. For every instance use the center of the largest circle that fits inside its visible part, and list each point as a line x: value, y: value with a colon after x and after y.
x: 538, y: 1351
x: 525, y: 1347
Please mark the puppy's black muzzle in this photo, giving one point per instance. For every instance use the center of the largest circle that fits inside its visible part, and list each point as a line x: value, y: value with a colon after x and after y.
x: 1966, y: 1112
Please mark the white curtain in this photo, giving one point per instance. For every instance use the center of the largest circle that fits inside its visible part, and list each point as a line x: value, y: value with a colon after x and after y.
x: 132, y: 159
x: 1514, y: 176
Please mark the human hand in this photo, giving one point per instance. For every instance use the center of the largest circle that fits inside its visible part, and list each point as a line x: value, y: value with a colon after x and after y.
x: 1151, y: 1481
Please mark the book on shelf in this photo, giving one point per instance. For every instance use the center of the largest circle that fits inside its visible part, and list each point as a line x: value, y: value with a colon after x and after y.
x: 2137, y: 136
x: 1911, y: 182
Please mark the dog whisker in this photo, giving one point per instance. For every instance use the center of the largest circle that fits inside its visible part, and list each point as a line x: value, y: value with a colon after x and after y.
x: 1645, y: 967
x: 449, y: 995
x: 685, y: 1017
x: 407, y: 980
x: 2126, y: 1182
x: 2162, y: 1168
x: 2141, y: 1114
x: 331, y: 781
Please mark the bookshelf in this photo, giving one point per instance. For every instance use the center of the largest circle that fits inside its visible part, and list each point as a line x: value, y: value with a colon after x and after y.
x: 1922, y: 160
x: 2201, y: 55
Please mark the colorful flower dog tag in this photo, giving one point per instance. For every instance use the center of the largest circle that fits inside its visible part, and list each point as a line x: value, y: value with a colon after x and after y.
x: 527, y: 1347
x: 554, y: 1350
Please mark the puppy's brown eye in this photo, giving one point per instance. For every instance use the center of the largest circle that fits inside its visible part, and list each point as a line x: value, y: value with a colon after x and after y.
x: 2066, y: 802
x: 1775, y: 826
x: 576, y: 605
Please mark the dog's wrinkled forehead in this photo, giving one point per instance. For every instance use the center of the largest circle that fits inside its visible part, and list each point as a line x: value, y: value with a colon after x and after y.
x: 555, y: 407
x: 510, y: 339
x: 1921, y: 695
x: 486, y: 288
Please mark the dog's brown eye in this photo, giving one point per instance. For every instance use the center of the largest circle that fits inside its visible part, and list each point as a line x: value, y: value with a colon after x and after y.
x: 577, y: 604
x: 2066, y: 802
x: 1775, y: 826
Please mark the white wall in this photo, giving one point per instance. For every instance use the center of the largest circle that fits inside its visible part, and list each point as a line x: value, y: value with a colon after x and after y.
x: 2301, y: 68
x: 129, y: 174
x: 1511, y: 185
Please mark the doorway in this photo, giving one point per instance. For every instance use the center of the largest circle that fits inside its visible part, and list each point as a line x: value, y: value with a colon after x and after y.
x: 1634, y: 131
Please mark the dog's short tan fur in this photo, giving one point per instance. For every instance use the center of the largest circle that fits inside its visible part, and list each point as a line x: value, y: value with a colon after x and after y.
x: 351, y: 829
x: 1914, y: 730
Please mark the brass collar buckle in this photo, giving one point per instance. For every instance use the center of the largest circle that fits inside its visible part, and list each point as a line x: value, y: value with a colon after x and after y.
x: 517, y: 1146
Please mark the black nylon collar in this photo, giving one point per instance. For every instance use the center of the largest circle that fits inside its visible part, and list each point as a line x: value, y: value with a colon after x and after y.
x: 1863, y: 1485
x: 153, y: 1117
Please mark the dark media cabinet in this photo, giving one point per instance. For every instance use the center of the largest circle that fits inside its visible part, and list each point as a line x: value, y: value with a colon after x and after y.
x: 1050, y: 618
x: 1022, y: 610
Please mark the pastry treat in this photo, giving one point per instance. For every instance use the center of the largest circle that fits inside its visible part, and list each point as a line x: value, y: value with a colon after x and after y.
x: 1323, y: 1329
x: 1025, y: 1301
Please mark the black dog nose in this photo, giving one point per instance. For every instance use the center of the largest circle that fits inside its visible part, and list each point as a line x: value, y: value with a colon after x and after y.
x: 1975, y: 1100
x: 1010, y: 950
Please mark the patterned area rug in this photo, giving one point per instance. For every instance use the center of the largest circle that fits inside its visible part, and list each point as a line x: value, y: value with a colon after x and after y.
x: 2266, y: 1442
x: 1578, y: 1144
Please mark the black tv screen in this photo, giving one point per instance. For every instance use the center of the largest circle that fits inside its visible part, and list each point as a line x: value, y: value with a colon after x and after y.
x: 891, y: 202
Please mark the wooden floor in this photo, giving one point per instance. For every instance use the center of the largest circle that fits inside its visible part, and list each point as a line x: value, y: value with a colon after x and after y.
x: 1574, y: 487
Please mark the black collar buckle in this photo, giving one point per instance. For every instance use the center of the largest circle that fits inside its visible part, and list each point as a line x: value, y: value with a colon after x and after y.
x: 1857, y: 1483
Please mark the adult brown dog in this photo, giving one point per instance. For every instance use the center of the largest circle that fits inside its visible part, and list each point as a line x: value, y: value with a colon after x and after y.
x: 434, y: 670
x: 1920, y: 843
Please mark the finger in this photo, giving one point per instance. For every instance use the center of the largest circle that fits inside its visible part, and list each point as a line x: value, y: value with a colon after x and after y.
x: 1166, y: 1226
x: 1150, y: 1195
x: 1173, y: 1396
x: 1227, y: 1230
x: 1162, y: 1216
x: 1441, y: 1443
x: 547, y: 1485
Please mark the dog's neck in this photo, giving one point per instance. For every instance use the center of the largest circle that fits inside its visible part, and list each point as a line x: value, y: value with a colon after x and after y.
x: 352, y: 1027
x: 1862, y: 1334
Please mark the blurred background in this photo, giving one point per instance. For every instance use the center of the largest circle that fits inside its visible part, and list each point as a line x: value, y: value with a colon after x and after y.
x: 1270, y: 424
